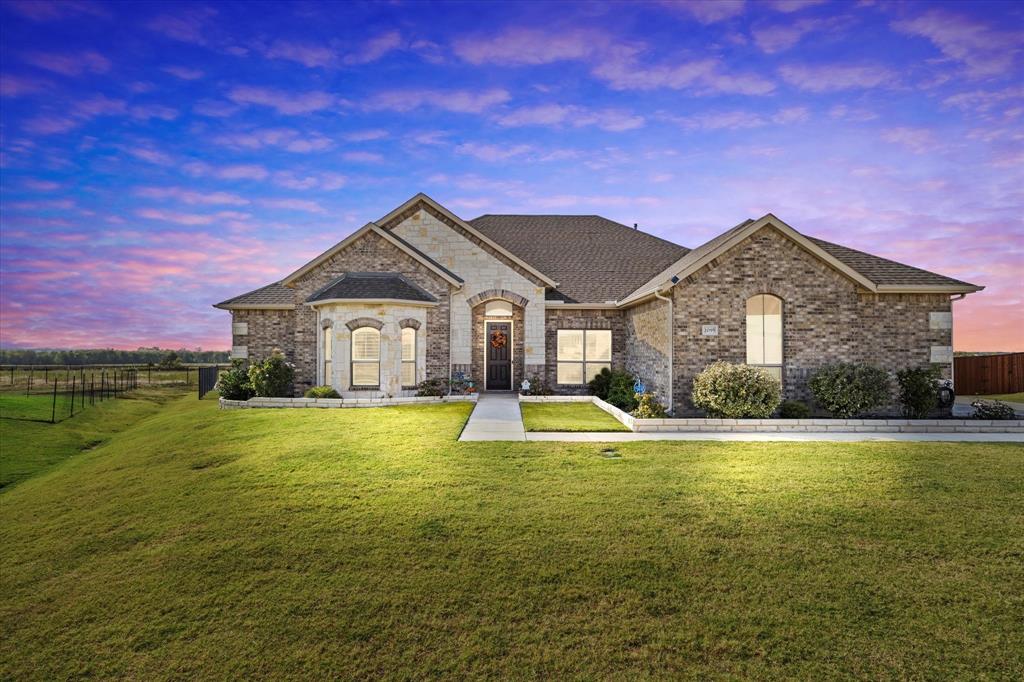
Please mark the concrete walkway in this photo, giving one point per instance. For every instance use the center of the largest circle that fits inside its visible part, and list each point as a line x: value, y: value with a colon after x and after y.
x: 495, y: 417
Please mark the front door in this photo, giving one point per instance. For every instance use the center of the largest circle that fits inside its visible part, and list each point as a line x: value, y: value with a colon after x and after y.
x: 499, y: 356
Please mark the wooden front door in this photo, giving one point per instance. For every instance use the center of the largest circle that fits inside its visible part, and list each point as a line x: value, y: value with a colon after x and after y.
x: 499, y: 356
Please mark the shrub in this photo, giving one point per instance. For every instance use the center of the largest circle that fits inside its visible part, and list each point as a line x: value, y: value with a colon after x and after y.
x: 992, y: 409
x: 600, y: 384
x: 918, y: 393
x: 736, y: 391
x: 794, y: 409
x: 234, y: 383
x: 434, y: 388
x: 648, y: 407
x: 271, y: 378
x: 170, y: 361
x: 849, y: 389
x: 538, y: 387
x: 322, y: 392
x: 620, y: 391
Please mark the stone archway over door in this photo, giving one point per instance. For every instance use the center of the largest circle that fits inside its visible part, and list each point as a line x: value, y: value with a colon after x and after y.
x: 481, y: 337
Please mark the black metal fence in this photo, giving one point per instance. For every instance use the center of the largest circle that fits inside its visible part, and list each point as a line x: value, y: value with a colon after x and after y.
x: 207, y: 379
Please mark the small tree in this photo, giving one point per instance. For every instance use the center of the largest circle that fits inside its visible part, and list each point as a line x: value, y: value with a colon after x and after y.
x: 849, y: 389
x: 271, y: 378
x: 736, y: 391
x: 917, y: 391
x: 170, y: 361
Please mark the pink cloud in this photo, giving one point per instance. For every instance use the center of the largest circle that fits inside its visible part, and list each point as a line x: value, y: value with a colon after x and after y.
x: 492, y: 152
x: 709, y: 11
x: 303, y: 53
x: 53, y: 10
x: 375, y: 48
x: 283, y: 101
x: 18, y: 86
x: 362, y: 157
x: 190, y: 196
x: 326, y: 181
x: 519, y: 46
x: 187, y: 25
x: 184, y: 73
x: 835, y: 77
x: 612, y: 120
x: 985, y: 50
x: 284, y: 138
x: 149, y: 154
x: 460, y: 101
x: 69, y: 64
x: 917, y: 140
x: 294, y: 205
x: 242, y: 171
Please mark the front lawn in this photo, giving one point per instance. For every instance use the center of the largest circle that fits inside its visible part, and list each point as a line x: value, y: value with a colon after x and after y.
x: 341, y: 544
x: 568, y: 417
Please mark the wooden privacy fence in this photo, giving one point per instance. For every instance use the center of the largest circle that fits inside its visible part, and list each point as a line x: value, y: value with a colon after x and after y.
x: 989, y: 374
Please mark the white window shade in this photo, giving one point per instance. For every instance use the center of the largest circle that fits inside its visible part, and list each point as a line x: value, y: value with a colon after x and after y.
x: 408, y: 356
x: 582, y: 354
x: 365, y: 357
x: 764, y: 333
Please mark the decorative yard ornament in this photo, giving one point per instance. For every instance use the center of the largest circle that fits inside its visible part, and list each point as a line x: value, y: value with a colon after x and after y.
x: 638, y: 387
x: 498, y: 339
x: 525, y: 386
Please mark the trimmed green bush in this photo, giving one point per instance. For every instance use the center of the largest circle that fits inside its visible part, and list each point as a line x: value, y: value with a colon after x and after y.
x: 600, y: 384
x: 620, y: 391
x: 322, y: 392
x: 234, y: 383
x: 273, y: 377
x: 992, y: 409
x: 917, y: 392
x: 648, y: 407
x: 794, y: 409
x: 849, y: 389
x: 729, y: 391
x: 432, y: 388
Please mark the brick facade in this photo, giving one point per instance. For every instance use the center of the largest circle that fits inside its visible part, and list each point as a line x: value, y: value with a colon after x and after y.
x: 826, y: 317
x: 646, y: 345
x: 267, y: 330
x: 615, y: 320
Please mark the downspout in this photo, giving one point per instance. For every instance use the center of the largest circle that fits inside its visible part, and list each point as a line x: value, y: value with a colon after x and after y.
x: 671, y: 348
x: 952, y: 363
x: 449, y: 341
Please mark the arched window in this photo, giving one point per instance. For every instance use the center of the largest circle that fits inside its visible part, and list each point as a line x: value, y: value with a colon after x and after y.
x: 365, y: 357
x: 408, y: 356
x: 764, y: 333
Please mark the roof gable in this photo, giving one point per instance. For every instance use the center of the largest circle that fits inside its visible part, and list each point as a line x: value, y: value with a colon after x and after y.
x: 371, y: 286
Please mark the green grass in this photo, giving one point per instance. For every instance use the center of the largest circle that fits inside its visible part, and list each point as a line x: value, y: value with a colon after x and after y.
x: 28, y: 447
x: 568, y: 417
x: 200, y: 543
x: 1007, y: 397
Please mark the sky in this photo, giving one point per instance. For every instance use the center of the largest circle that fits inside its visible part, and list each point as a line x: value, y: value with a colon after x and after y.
x: 160, y: 157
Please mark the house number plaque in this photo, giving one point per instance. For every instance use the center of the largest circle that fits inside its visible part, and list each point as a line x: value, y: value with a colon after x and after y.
x: 709, y: 330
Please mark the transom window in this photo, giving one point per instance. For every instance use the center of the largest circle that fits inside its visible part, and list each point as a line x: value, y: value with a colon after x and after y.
x: 366, y: 357
x: 408, y: 356
x: 764, y: 333
x: 498, y: 309
x: 582, y: 354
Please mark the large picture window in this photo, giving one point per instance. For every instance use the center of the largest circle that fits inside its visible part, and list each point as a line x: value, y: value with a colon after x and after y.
x: 582, y: 354
x: 366, y: 357
x: 764, y: 333
x: 408, y: 356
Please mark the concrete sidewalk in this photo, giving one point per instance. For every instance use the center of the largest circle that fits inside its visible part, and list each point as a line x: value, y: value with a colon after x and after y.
x: 496, y: 417
x: 622, y: 437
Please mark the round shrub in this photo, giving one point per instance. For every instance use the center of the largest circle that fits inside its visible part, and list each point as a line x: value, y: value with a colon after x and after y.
x: 322, y: 392
x: 918, y: 394
x: 992, y: 409
x: 794, y: 409
x: 731, y: 391
x: 648, y: 407
x: 848, y: 389
x: 272, y: 378
x: 234, y: 383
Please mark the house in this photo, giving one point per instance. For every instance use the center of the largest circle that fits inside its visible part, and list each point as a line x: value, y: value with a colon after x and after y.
x: 422, y: 294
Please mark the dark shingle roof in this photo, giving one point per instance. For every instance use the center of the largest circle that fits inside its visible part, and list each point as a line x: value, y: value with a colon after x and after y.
x: 272, y: 295
x: 372, y: 285
x: 883, y: 271
x: 593, y: 259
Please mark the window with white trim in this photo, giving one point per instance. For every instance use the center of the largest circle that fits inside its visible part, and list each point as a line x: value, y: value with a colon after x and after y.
x: 408, y: 356
x: 366, y: 357
x: 764, y: 333
x: 582, y: 354
x: 328, y: 354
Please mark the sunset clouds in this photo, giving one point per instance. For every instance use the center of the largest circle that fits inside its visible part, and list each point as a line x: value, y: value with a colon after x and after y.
x: 157, y: 158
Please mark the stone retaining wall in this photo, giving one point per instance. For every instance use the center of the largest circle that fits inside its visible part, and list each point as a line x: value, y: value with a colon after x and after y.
x: 794, y: 425
x: 341, y: 402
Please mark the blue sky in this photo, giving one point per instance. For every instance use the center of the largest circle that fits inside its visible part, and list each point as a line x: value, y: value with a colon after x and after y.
x: 159, y: 157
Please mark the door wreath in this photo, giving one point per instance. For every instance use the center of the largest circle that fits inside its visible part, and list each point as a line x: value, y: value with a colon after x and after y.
x: 498, y: 339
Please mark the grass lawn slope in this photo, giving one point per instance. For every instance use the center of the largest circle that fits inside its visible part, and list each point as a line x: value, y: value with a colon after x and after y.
x: 369, y: 544
x: 568, y: 417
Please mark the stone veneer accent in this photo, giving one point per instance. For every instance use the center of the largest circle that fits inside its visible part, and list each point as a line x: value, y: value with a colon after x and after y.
x: 826, y: 317
x: 596, y: 318
x: 647, y: 343
x: 482, y: 271
x: 478, y: 370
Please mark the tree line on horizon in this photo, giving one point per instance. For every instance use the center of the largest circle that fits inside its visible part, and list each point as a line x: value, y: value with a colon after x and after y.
x: 109, y: 356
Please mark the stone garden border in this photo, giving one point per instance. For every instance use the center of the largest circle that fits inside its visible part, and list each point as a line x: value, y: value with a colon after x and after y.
x: 257, y: 403
x: 790, y: 425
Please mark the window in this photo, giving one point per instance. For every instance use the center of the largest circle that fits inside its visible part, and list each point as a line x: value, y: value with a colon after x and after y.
x: 328, y: 354
x: 764, y: 333
x: 366, y: 357
x: 408, y: 356
x: 582, y: 354
x: 498, y: 309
